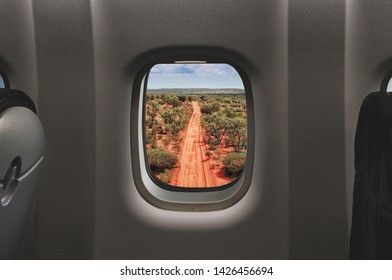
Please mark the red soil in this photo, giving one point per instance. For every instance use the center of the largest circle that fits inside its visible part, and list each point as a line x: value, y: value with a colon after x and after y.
x: 195, y: 169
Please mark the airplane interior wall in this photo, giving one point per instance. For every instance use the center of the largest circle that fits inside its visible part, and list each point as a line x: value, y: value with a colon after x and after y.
x: 212, y: 27
x: 17, y: 56
x: 316, y: 130
x: 310, y: 64
x: 64, y: 221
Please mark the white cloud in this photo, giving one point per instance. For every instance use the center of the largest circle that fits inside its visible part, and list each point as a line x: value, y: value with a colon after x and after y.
x: 213, y: 69
x: 213, y: 75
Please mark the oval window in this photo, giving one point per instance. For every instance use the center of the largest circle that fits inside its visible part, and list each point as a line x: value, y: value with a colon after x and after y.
x: 389, y: 86
x: 195, y: 125
x: 192, y: 134
x: 3, y: 80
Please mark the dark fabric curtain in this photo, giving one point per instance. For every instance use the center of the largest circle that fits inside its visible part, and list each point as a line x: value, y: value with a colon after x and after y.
x: 371, y: 231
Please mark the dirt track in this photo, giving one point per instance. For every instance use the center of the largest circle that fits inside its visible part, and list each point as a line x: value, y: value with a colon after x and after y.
x: 194, y: 167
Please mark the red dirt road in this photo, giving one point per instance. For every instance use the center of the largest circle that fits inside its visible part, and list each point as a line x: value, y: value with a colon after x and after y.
x: 194, y: 167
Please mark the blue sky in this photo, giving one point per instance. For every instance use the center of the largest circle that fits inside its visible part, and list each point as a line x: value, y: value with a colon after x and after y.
x: 211, y: 75
x: 1, y: 82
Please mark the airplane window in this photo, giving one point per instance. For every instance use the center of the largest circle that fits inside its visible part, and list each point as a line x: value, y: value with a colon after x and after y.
x: 3, y: 80
x: 389, y: 86
x: 2, y: 85
x: 195, y: 125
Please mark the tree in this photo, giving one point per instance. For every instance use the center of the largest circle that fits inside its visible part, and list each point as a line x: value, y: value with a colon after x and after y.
x: 239, y: 133
x: 150, y: 138
x: 229, y: 112
x: 216, y: 125
x: 227, y: 100
x: 161, y: 159
x: 171, y: 99
x: 175, y: 119
x: 234, y: 163
x: 206, y: 109
x: 216, y: 107
x: 152, y: 110
x: 182, y: 98
x: 208, y: 154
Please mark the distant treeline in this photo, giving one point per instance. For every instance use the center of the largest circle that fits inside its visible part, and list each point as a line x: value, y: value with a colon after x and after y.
x: 197, y: 91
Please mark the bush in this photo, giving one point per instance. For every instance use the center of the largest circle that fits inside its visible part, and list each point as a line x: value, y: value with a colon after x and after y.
x: 166, y: 141
x: 208, y: 154
x: 182, y: 98
x: 234, y: 163
x: 161, y: 159
x: 214, y: 142
x: 210, y: 108
x: 172, y: 99
x: 229, y: 112
x: 165, y: 176
x: 227, y: 100
x: 215, y: 106
x: 212, y: 147
x: 206, y: 109
x: 176, y: 146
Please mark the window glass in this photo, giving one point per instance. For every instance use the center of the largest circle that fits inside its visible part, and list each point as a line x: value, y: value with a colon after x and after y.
x: 195, y: 124
x: 389, y: 87
x: 2, y: 83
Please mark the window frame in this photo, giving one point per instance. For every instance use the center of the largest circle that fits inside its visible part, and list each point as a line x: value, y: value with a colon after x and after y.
x: 166, y: 196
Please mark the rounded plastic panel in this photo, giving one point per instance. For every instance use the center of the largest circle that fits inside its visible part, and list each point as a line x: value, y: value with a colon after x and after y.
x: 22, y: 146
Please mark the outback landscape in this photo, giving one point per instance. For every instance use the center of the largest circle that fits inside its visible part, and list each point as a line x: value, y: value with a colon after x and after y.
x: 196, y: 138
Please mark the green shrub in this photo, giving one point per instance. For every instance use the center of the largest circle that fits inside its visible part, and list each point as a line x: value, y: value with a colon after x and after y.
x: 161, y: 159
x: 171, y: 99
x: 176, y: 146
x: 227, y: 100
x: 166, y: 141
x: 165, y: 176
x: 208, y: 154
x: 215, y: 106
x: 182, y: 98
x: 234, y: 163
x: 212, y: 147
x: 206, y: 109
x: 209, y: 108
x: 214, y: 142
